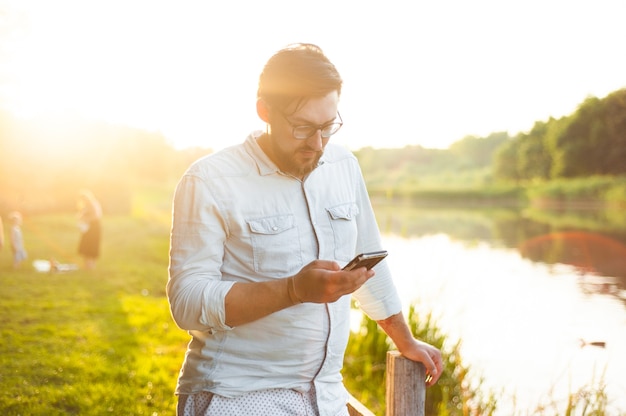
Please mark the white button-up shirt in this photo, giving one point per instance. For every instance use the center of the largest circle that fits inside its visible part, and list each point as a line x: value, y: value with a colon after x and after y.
x: 237, y: 218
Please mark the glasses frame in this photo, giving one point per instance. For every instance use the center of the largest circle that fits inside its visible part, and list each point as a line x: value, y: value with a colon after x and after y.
x: 316, y: 128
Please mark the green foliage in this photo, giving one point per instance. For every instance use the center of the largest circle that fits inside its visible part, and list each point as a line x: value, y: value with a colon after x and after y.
x: 610, y: 190
x: 505, y: 165
x: 533, y: 159
x: 589, y: 142
x: 465, y: 196
x: 476, y: 152
x: 466, y: 164
x: 593, y: 141
x: 454, y: 393
x: 578, y: 145
x: 364, y: 365
x: 616, y: 193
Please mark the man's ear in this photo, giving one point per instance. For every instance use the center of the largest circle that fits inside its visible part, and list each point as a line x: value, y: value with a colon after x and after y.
x: 263, y: 110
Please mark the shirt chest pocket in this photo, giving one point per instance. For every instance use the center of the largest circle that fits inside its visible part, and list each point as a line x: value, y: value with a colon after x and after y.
x: 343, y: 223
x: 275, y: 245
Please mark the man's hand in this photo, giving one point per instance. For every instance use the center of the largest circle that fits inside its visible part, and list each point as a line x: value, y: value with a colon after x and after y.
x: 323, y: 281
x: 427, y: 355
x: 396, y: 327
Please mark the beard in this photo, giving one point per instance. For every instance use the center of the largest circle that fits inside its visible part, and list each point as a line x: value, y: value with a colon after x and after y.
x: 301, y: 170
x: 299, y: 163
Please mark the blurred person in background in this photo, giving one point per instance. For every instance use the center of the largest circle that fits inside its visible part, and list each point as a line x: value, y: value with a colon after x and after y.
x: 90, y: 225
x: 17, y: 239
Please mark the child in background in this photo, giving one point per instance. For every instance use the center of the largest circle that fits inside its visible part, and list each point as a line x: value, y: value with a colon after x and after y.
x: 16, y: 239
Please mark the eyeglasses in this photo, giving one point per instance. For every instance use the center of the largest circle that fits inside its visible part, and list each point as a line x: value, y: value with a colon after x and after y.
x: 304, y: 131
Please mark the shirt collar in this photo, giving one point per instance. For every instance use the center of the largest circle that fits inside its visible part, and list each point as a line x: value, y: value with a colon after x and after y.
x: 263, y: 162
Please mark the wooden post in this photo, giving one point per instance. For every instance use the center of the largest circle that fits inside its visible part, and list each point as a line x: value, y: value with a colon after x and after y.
x: 406, y: 388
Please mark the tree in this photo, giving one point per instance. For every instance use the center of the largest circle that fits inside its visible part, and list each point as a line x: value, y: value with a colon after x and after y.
x: 477, y: 151
x: 505, y: 161
x: 593, y: 141
x: 614, y: 157
x: 534, y: 159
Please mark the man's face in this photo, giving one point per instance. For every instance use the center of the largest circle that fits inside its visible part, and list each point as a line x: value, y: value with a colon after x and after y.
x: 300, y: 157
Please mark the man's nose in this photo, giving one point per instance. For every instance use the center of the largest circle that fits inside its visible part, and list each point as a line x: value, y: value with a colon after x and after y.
x: 316, y: 142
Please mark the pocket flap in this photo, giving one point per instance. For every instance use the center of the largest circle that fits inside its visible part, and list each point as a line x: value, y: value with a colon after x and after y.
x: 271, y: 225
x: 343, y: 212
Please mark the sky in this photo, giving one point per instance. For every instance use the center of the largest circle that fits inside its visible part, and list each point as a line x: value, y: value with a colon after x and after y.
x: 415, y: 73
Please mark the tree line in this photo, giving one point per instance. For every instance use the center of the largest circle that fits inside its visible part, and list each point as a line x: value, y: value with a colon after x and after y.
x: 44, y: 163
x: 589, y: 142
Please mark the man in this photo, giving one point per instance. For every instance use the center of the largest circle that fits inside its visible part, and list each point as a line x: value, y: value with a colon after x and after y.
x: 260, y: 232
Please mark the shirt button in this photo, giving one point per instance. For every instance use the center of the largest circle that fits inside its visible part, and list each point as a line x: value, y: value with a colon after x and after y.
x: 274, y: 228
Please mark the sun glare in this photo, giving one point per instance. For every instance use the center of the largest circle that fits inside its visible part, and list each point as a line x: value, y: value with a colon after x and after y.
x: 145, y: 73
x: 189, y: 69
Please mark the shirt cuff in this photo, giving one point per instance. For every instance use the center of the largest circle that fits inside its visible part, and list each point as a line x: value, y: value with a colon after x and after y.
x: 213, y: 308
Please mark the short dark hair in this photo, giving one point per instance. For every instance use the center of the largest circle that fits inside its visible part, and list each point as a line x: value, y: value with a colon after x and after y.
x: 296, y: 73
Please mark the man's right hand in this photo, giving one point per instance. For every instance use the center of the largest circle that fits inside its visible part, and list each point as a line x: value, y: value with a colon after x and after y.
x: 323, y: 281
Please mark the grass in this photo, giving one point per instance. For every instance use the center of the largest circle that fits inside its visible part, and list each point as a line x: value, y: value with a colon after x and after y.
x: 89, y: 342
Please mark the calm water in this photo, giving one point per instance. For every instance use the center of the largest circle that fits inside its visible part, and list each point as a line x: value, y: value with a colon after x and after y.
x: 526, y: 298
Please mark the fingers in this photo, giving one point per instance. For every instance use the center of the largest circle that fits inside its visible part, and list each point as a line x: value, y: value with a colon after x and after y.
x: 323, y: 281
x: 428, y: 355
x: 434, y: 366
x: 329, y: 265
x: 354, y: 279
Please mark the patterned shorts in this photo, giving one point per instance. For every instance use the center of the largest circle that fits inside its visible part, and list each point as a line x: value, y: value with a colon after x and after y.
x: 273, y: 402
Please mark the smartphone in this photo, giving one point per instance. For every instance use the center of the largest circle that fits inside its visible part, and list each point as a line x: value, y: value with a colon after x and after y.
x: 368, y: 260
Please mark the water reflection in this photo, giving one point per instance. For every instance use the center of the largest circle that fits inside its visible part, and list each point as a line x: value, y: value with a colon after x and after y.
x: 537, y: 298
x: 589, y: 252
x: 592, y: 241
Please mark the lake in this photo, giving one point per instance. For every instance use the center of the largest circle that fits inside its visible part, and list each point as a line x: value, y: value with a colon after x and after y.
x: 538, y: 299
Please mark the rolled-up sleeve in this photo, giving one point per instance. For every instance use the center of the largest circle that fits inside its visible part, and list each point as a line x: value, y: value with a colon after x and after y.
x: 195, y: 288
x: 378, y: 297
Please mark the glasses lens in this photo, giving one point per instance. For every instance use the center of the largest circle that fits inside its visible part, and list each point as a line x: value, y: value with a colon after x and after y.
x: 330, y: 129
x: 304, y: 132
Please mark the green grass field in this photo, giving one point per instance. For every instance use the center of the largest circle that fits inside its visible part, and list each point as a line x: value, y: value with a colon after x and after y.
x: 89, y: 342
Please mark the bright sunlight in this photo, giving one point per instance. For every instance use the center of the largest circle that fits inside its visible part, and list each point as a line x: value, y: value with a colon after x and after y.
x: 426, y: 74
